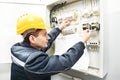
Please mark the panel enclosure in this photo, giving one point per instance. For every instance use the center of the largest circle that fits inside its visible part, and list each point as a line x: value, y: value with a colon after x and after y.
x: 86, y: 14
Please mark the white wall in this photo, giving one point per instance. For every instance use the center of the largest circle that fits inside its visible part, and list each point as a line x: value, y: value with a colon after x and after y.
x: 112, y: 21
x: 5, y: 71
x: 9, y: 13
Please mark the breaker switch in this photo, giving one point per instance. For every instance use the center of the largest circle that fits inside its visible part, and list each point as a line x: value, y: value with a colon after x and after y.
x: 86, y: 26
x: 54, y: 20
x: 95, y: 26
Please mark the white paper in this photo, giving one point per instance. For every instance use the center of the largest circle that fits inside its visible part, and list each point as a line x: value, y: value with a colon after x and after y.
x: 83, y: 62
x: 64, y: 43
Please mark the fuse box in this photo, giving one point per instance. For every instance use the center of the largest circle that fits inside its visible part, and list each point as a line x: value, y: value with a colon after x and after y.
x: 86, y: 14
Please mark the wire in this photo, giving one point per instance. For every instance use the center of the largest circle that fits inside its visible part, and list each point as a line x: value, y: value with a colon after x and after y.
x: 55, y: 8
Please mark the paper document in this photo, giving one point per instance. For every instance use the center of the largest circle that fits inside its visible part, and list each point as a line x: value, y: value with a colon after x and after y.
x: 83, y: 62
x: 64, y: 43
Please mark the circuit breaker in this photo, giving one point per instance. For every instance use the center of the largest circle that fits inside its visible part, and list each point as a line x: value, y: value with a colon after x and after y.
x: 86, y: 14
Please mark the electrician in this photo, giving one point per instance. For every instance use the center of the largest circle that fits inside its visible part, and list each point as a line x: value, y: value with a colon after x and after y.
x: 29, y: 58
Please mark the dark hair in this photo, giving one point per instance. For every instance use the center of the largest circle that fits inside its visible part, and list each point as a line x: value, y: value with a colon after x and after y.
x: 34, y: 33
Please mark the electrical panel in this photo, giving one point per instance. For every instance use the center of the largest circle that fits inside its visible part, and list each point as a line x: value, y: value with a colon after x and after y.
x: 86, y: 14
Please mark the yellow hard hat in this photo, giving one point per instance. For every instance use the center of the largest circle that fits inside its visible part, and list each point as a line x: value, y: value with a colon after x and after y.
x: 29, y: 21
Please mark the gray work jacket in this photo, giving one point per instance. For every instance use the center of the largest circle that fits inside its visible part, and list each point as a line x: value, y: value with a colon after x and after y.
x: 29, y: 63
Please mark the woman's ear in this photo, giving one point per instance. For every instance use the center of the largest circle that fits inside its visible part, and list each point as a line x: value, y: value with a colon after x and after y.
x: 32, y: 39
